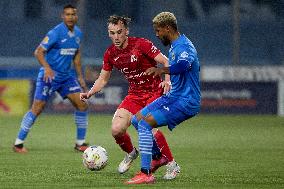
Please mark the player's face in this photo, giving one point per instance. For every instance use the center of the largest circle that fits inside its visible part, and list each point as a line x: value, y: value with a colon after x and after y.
x: 118, y: 34
x: 162, y: 33
x: 70, y: 17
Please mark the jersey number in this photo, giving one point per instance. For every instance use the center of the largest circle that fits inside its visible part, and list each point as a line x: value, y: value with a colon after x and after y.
x: 46, y: 91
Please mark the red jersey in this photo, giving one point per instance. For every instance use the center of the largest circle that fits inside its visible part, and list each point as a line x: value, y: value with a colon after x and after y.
x: 133, y: 61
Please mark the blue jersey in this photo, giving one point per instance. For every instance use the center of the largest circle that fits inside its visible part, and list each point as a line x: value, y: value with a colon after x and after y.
x: 185, y: 85
x: 61, y: 46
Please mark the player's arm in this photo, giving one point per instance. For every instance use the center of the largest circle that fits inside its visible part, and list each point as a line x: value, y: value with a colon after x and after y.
x: 178, y: 68
x: 185, y: 58
x: 150, y: 50
x: 78, y: 68
x: 98, y: 85
x: 162, y: 59
x: 40, y: 56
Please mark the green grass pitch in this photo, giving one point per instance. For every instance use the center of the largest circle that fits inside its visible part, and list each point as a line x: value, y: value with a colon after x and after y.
x: 213, y: 151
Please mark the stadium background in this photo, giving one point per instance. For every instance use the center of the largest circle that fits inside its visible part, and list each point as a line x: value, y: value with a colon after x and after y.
x: 236, y: 141
x: 237, y: 41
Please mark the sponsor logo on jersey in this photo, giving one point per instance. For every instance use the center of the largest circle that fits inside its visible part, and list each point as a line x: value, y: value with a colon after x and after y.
x: 154, y: 49
x: 45, y: 40
x: 70, y: 51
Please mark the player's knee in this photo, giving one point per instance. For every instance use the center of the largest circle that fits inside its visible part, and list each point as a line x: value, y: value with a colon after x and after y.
x: 156, y: 131
x: 150, y: 120
x: 117, y: 130
x: 37, y: 109
x: 82, y: 106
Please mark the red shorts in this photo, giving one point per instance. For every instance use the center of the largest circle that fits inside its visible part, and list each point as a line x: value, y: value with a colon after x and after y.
x: 134, y: 103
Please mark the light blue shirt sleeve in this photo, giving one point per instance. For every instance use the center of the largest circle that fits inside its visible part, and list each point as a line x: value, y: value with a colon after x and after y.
x: 49, y: 40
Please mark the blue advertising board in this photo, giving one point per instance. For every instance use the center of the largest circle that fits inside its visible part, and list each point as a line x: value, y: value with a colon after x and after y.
x: 239, y: 97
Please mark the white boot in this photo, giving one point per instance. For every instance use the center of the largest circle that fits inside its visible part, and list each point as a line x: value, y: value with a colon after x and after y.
x: 173, y: 170
x: 127, y: 161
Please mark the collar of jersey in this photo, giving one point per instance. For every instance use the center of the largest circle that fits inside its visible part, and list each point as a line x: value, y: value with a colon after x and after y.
x: 177, y: 41
x: 66, y: 28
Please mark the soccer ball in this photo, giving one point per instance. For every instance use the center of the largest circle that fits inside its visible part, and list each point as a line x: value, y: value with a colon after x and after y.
x: 95, y: 158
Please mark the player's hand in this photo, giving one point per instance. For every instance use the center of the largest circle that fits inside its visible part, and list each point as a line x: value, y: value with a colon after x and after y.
x: 154, y: 71
x: 84, y: 96
x: 166, y: 85
x: 48, y: 75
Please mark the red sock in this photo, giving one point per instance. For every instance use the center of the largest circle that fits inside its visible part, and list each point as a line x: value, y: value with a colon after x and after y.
x: 163, y: 145
x: 124, y: 142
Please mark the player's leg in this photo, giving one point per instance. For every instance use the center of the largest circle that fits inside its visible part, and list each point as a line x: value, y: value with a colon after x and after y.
x: 159, y: 113
x: 120, y: 123
x: 146, y: 138
x: 42, y: 93
x: 161, y: 153
x: 165, y: 156
x: 26, y: 124
x: 161, y: 150
x: 71, y: 89
x: 168, y: 112
x: 81, y: 120
x: 158, y: 158
x: 171, y: 112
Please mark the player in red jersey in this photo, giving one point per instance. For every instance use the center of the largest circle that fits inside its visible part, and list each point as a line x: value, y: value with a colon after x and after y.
x: 133, y: 56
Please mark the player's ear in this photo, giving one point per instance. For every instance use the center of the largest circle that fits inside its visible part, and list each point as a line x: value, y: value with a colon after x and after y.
x: 168, y: 28
x: 127, y: 32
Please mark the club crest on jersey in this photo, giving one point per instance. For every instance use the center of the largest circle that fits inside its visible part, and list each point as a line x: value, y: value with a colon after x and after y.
x: 184, y: 54
x: 45, y: 40
x: 77, y: 40
x: 133, y: 58
x: 173, y: 56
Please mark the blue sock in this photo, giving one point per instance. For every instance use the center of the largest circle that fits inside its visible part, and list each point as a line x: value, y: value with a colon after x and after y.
x: 134, y: 122
x: 145, y: 144
x: 27, y: 122
x: 81, y: 120
x: 156, y: 153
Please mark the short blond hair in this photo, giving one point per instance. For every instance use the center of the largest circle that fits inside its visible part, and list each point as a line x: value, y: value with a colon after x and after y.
x: 165, y: 19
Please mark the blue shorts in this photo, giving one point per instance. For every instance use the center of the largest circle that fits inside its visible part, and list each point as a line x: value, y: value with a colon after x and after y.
x: 170, y: 111
x: 44, y: 90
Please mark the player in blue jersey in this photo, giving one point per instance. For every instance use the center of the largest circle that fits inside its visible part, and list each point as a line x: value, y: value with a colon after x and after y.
x: 181, y: 103
x: 56, y: 52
